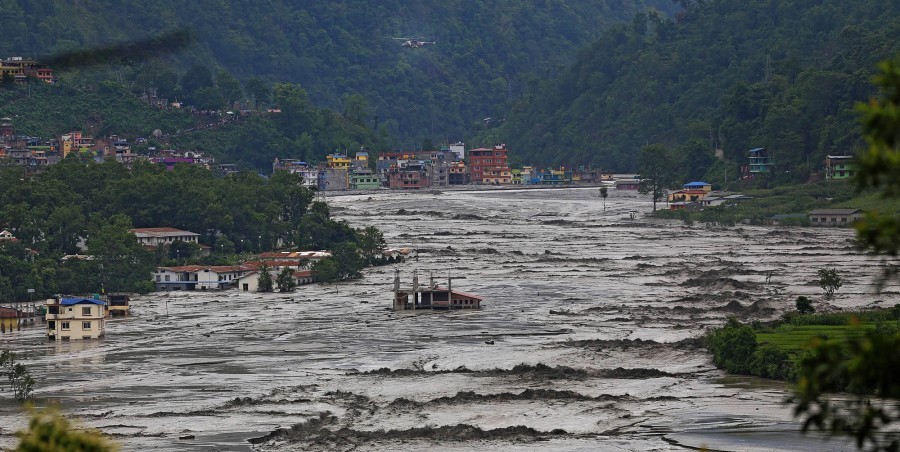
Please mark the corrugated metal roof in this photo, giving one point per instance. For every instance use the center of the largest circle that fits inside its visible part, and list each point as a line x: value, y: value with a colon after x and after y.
x: 834, y: 211
x: 73, y: 301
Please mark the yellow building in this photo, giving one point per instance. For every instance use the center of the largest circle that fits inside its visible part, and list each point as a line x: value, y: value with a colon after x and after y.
x: 338, y: 161
x: 72, y: 319
x: 688, y: 196
x: 74, y: 142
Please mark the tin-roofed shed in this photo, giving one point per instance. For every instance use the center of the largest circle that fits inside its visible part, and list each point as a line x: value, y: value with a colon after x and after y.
x: 834, y: 217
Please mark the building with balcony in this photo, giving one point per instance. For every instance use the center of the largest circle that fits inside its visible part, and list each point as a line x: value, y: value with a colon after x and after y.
x: 70, y: 319
x: 489, y: 166
x: 839, y: 167
x: 364, y: 179
x: 163, y: 236
x: 19, y: 69
x: 457, y: 174
x: 308, y: 173
x: 760, y: 161
x: 199, y: 277
x: 339, y: 161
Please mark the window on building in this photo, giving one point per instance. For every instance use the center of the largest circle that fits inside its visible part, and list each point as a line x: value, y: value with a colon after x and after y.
x: 157, y: 278
x: 85, y: 325
x: 65, y: 325
x: 167, y: 277
x: 86, y: 310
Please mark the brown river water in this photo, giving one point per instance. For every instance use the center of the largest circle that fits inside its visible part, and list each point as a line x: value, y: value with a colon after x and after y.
x: 594, y: 317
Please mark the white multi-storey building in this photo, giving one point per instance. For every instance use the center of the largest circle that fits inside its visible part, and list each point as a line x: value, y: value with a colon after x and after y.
x: 163, y: 236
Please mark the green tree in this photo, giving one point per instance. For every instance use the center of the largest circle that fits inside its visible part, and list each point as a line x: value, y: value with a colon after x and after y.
x: 349, y: 262
x: 356, y: 109
x: 165, y: 83
x: 182, y: 251
x: 264, y: 282
x: 229, y: 88
x: 208, y: 98
x: 829, y: 281
x: 285, y: 280
x: 123, y: 263
x: 770, y: 361
x: 48, y: 431
x: 197, y: 77
x: 733, y: 347
x: 656, y: 172
x: 325, y: 270
x: 804, y: 306
x: 259, y: 90
x: 20, y: 380
x: 370, y: 242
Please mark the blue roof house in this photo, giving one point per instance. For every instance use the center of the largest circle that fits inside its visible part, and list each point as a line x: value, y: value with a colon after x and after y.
x: 70, y: 319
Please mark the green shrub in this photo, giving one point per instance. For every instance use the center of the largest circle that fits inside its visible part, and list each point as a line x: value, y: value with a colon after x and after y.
x: 770, y: 361
x: 733, y: 347
x: 804, y: 306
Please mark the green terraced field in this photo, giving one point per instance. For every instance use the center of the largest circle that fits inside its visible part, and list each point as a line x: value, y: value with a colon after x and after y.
x: 794, y: 339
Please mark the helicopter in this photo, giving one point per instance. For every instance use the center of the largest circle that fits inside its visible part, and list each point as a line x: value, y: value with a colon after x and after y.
x: 414, y: 43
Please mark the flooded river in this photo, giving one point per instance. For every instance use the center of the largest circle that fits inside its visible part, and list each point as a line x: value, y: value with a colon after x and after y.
x: 594, y: 318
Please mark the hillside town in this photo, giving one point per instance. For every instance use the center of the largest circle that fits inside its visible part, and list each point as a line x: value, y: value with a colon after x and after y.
x: 450, y: 165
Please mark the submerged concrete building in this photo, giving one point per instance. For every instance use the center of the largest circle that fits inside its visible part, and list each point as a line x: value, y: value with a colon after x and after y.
x: 431, y: 296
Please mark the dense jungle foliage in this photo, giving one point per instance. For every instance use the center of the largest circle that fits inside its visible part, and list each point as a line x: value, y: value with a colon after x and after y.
x: 76, y: 204
x: 783, y: 75
x: 485, y: 51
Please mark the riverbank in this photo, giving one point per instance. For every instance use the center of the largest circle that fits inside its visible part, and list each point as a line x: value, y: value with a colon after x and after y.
x: 777, y: 349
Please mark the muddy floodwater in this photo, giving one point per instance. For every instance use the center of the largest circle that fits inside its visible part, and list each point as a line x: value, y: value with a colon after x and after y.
x: 594, y: 317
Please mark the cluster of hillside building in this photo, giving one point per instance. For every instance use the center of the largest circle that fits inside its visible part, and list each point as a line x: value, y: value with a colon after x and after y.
x: 18, y: 70
x: 36, y: 154
x: 448, y: 166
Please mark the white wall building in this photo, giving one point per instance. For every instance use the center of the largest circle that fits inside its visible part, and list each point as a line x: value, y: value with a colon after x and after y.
x: 198, y: 277
x: 163, y: 236
x: 458, y: 150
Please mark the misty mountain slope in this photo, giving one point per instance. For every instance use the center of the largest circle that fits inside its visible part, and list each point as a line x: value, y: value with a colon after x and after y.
x: 784, y: 75
x: 484, y: 54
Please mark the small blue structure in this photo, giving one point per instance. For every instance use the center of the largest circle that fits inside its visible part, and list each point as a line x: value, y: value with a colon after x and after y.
x: 74, y: 301
x: 697, y: 186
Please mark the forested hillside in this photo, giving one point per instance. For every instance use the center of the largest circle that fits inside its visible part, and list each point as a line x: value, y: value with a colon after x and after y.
x: 300, y: 130
x: 783, y: 75
x: 485, y: 52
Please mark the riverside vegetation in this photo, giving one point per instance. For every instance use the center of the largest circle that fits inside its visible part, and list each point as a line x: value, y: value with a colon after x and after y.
x: 779, y: 349
x: 852, y: 352
x: 75, y: 203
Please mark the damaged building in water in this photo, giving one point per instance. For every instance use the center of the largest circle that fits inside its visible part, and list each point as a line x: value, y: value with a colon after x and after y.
x: 432, y: 296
